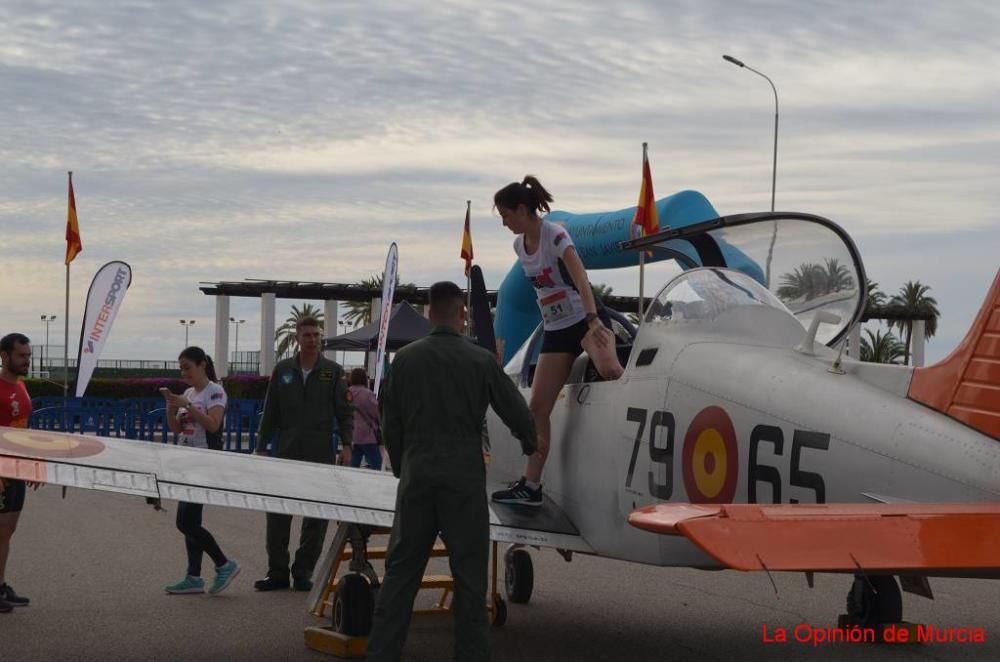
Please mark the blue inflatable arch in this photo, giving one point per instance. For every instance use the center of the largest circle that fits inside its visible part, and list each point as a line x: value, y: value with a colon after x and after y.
x: 596, y: 237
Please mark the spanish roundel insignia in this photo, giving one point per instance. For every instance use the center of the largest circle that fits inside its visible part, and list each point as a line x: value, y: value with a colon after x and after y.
x: 45, y: 444
x: 710, y: 460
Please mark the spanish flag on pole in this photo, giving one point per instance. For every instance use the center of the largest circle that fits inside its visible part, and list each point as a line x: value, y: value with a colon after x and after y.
x: 73, y: 243
x: 466, y: 253
x: 645, y: 214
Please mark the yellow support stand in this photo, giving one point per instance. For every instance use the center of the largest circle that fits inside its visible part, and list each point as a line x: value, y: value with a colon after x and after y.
x: 328, y: 640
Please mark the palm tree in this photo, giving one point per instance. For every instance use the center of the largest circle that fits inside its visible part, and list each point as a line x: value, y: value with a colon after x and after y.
x: 601, y: 290
x: 285, y: 335
x: 360, y: 312
x: 810, y: 280
x: 804, y: 282
x: 879, y: 348
x: 912, y: 300
x: 876, y: 297
x: 837, y: 276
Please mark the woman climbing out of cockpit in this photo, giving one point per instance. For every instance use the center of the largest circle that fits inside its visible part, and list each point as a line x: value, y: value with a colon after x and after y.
x: 570, y: 316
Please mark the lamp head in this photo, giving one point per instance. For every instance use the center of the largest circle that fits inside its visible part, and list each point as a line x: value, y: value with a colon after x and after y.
x: 730, y: 58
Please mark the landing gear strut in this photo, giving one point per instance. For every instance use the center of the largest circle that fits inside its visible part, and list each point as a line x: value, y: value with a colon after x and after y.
x: 873, y: 601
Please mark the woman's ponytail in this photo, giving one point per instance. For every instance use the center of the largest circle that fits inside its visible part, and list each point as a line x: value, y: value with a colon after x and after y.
x: 535, y: 196
x: 529, y: 192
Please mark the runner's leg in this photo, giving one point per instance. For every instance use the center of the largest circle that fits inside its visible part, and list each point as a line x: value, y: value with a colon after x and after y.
x: 550, y: 376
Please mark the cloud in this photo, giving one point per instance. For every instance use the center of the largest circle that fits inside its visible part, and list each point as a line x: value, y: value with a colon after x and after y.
x: 295, y: 140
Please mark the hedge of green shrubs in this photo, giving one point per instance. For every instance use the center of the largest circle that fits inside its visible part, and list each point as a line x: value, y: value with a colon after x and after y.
x: 241, y: 386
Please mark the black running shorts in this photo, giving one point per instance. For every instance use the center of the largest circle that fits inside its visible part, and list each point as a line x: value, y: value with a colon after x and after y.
x: 12, y: 496
x: 567, y: 341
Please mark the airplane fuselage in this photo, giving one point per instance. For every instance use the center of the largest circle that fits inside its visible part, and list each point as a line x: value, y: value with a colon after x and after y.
x: 712, y: 417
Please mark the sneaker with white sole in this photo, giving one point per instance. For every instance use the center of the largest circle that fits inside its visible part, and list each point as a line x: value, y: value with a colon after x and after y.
x: 519, y: 493
x: 224, y: 574
x: 187, y: 585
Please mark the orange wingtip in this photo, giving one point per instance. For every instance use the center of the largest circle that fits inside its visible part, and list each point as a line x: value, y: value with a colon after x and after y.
x: 966, y: 384
x: 836, y: 537
x: 665, y: 517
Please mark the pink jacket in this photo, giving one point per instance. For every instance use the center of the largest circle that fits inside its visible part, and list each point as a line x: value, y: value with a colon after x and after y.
x: 365, y: 410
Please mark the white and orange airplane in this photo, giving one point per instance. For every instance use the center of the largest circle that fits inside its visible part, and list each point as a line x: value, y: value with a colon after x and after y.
x: 738, y: 437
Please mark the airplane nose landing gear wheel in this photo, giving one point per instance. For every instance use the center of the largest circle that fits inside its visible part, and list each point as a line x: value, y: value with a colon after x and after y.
x: 353, y: 606
x: 519, y: 575
x: 874, y: 601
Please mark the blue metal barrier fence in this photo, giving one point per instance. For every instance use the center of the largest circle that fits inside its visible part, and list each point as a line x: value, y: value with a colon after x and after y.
x: 139, y: 418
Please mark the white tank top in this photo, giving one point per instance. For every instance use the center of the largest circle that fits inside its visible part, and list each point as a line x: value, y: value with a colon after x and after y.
x: 558, y: 299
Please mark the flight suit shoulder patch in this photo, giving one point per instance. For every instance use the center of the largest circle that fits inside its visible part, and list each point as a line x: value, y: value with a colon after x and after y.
x: 287, y: 377
x: 327, y: 375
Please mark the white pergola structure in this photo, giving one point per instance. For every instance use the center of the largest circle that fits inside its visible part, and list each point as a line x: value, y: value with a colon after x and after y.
x: 269, y: 291
x: 889, y: 314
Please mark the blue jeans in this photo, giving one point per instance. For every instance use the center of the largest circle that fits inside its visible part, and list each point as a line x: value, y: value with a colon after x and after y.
x: 371, y: 454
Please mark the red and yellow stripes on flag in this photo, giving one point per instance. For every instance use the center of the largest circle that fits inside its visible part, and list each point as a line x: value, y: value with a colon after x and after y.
x: 73, y: 243
x: 466, y: 253
x: 645, y: 213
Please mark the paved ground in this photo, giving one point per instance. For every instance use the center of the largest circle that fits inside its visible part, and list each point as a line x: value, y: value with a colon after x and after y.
x: 94, y: 565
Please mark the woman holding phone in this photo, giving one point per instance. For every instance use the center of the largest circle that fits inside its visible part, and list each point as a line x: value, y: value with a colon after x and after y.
x: 196, y: 416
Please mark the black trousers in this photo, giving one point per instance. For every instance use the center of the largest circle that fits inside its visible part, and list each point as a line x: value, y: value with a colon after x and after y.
x: 196, y: 538
x: 279, y: 532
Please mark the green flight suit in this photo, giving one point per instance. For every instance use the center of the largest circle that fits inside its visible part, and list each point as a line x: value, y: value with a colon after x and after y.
x: 432, y: 420
x: 302, y: 415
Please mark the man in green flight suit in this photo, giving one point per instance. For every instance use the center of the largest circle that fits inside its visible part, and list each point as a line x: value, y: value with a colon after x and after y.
x: 305, y: 395
x: 432, y: 419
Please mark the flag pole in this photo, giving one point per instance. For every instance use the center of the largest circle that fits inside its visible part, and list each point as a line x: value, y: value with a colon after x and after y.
x: 642, y: 253
x: 66, y: 330
x: 468, y: 277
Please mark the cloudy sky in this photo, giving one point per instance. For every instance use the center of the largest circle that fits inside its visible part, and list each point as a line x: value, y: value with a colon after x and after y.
x: 221, y: 141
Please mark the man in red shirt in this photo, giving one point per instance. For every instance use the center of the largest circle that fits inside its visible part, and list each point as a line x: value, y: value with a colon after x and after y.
x: 15, y: 410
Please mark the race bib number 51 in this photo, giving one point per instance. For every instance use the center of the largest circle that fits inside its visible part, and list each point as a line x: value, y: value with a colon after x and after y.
x: 556, y: 307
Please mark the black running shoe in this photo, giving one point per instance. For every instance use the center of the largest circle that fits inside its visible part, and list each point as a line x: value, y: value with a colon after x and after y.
x: 5, y: 607
x: 299, y: 584
x: 519, y: 494
x: 271, y: 584
x: 8, y: 595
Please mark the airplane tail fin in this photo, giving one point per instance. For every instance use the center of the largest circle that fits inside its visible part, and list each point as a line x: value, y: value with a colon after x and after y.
x: 966, y: 384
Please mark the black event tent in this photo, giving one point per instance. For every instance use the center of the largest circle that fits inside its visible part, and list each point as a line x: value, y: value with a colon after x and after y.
x: 405, y: 326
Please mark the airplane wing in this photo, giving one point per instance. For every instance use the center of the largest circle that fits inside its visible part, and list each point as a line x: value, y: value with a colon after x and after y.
x: 235, y: 480
x: 959, y: 538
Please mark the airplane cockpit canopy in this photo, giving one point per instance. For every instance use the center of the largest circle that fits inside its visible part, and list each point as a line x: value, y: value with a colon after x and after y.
x: 706, y: 293
x: 801, y: 262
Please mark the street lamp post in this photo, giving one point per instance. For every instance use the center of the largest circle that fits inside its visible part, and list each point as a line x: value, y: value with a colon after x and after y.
x: 186, y: 324
x: 774, y: 160
x: 236, y: 348
x: 48, y: 319
x: 343, y: 353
